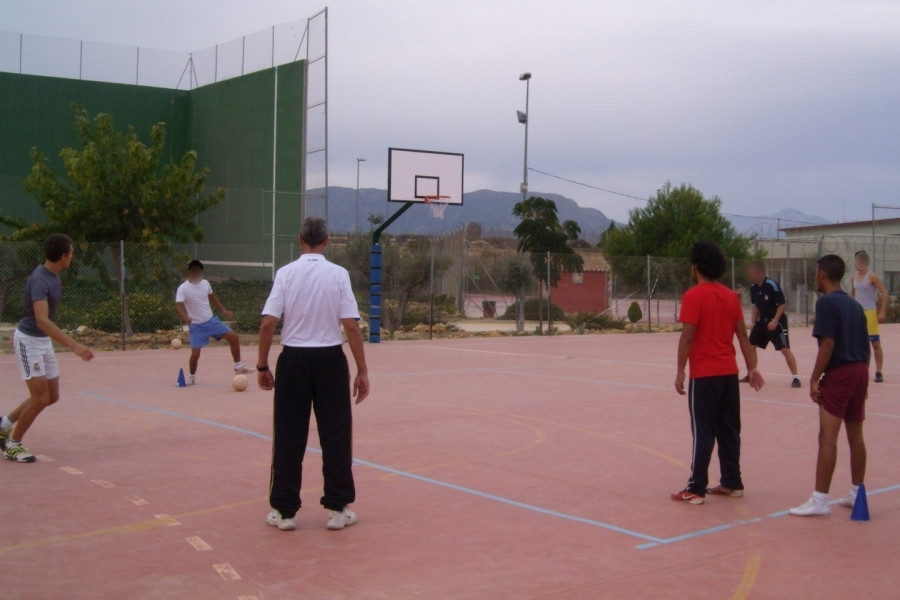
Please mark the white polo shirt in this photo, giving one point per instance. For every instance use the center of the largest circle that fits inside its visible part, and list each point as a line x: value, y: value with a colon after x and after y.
x: 313, y: 295
x: 195, y: 297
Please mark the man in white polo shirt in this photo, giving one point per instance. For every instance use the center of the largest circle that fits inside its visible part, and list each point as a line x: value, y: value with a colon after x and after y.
x: 315, y: 298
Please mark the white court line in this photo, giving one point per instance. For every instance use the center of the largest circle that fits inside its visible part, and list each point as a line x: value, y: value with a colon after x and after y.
x: 227, y: 572
x: 198, y: 543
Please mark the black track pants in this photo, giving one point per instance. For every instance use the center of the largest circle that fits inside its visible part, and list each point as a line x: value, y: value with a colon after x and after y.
x: 715, y: 408
x: 312, y: 379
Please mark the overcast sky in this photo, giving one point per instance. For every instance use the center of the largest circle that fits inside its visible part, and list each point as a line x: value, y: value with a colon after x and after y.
x: 767, y: 104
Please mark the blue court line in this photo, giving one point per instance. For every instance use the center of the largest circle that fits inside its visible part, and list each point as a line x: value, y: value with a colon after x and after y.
x: 651, y: 541
x: 459, y: 488
x: 725, y: 526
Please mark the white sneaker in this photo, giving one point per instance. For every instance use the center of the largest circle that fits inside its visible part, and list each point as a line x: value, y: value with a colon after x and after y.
x: 244, y: 371
x: 274, y: 519
x: 849, y: 500
x: 338, y: 519
x: 811, y: 508
x: 192, y: 379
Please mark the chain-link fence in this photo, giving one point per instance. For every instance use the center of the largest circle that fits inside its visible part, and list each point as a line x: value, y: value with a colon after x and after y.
x: 101, y: 297
x: 457, y: 280
x: 657, y: 285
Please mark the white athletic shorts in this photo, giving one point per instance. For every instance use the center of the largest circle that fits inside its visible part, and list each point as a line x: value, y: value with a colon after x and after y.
x: 35, y: 356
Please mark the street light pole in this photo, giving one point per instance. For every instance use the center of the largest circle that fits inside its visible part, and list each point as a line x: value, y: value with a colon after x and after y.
x: 358, y: 160
x: 524, y: 118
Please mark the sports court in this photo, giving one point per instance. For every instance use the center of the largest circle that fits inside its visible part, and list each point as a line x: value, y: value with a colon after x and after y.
x: 486, y: 468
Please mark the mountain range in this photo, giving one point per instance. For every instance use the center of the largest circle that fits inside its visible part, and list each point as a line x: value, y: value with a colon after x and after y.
x: 492, y: 210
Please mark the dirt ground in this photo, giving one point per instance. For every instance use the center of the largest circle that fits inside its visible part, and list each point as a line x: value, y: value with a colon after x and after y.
x: 463, y: 328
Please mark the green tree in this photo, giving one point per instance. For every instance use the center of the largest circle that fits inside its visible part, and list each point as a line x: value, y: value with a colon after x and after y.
x: 669, y: 226
x: 540, y: 232
x: 406, y: 272
x: 117, y: 188
x: 515, y: 277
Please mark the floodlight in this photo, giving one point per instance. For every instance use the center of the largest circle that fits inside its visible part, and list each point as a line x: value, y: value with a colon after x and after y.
x: 523, y: 117
x: 524, y: 76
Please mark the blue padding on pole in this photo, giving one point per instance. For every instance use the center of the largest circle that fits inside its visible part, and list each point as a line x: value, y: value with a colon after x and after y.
x: 375, y: 296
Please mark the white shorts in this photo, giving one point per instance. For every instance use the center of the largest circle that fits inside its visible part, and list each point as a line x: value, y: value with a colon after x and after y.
x: 36, y: 357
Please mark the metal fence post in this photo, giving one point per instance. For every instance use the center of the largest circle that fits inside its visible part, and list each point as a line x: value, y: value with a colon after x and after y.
x: 122, y: 288
x: 549, y: 303
x: 649, y: 311
x: 431, y: 296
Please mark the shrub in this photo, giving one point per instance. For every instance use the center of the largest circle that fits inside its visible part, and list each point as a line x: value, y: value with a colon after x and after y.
x: 147, y: 312
x: 635, y: 313
x: 893, y: 310
x: 593, y: 321
x: 533, y: 309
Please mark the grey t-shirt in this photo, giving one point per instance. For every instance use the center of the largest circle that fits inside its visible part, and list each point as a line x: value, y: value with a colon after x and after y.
x: 42, y: 284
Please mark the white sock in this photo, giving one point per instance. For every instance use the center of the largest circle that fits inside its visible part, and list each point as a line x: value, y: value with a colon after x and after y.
x: 6, y: 422
x: 239, y: 365
x: 820, y: 497
x: 854, y: 489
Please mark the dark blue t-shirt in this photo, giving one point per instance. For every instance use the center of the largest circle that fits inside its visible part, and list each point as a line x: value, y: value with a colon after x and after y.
x: 841, y: 318
x: 767, y: 297
x: 42, y: 284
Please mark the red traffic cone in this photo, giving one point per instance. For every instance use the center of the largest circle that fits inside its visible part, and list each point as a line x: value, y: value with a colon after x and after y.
x: 861, y: 506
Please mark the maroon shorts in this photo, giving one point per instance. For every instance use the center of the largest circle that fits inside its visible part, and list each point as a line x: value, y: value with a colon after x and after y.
x: 843, y: 391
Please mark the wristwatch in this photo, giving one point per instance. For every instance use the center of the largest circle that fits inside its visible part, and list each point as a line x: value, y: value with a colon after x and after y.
x: 262, y: 369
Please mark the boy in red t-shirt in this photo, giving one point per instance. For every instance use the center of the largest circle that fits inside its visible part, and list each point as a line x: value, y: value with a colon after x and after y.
x: 711, y: 316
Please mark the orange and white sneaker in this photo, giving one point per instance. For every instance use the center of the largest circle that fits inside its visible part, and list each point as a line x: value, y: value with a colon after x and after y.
x: 688, y: 497
x: 721, y: 490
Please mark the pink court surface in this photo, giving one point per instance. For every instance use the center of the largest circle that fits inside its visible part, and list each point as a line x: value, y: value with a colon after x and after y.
x: 486, y: 468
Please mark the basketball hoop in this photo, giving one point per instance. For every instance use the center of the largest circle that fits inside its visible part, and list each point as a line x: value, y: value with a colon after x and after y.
x: 437, y: 204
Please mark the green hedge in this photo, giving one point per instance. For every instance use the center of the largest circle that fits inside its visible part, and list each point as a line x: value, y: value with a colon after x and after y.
x: 532, y: 310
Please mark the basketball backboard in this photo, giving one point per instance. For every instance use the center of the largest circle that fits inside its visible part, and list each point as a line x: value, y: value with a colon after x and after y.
x: 415, y: 174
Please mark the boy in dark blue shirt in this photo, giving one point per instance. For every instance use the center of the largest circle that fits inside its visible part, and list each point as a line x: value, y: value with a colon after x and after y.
x: 839, y: 383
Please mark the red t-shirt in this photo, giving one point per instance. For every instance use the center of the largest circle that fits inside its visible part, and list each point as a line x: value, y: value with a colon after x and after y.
x: 713, y: 309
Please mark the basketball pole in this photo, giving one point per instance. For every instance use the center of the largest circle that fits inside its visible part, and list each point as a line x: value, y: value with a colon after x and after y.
x: 375, y: 279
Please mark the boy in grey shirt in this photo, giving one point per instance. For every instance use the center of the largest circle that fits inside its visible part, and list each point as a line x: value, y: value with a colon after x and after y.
x: 33, y: 344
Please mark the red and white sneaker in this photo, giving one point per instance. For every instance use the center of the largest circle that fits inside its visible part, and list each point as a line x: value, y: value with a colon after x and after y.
x: 688, y: 496
x: 721, y: 490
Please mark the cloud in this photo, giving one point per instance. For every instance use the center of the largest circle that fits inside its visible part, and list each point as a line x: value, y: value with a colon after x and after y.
x: 766, y: 104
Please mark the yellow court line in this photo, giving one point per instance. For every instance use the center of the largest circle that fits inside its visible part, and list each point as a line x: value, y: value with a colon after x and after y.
x: 746, y: 585
x: 138, y: 526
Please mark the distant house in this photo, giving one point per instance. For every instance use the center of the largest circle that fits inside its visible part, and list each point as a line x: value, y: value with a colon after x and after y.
x: 880, y: 238
x: 586, y: 291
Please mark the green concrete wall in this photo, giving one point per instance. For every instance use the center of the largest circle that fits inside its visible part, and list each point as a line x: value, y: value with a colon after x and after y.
x: 37, y: 112
x: 231, y: 124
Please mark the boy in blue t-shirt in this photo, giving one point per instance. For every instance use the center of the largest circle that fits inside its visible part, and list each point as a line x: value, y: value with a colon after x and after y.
x: 839, y: 384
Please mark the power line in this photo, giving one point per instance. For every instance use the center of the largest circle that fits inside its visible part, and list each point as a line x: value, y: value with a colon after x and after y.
x: 587, y: 185
x: 770, y: 218
x: 598, y: 188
